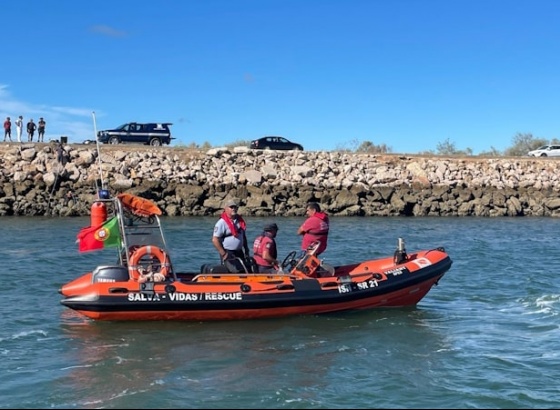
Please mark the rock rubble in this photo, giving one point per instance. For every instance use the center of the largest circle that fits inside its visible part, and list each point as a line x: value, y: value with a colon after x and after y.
x: 276, y: 183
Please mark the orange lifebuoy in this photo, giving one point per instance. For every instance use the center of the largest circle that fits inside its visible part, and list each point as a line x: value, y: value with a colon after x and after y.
x: 152, y: 251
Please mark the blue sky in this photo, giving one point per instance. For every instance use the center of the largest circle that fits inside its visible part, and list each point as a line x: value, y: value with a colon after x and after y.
x: 327, y: 74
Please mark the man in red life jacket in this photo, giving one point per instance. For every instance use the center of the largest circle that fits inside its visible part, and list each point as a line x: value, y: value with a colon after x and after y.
x: 229, y: 237
x: 315, y: 228
x: 264, y: 250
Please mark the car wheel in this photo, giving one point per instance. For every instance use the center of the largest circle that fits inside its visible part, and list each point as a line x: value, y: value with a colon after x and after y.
x: 114, y: 140
x: 544, y: 155
x: 298, y: 148
x: 266, y: 147
x: 155, y: 142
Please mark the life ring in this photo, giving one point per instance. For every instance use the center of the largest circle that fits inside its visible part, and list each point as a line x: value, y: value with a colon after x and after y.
x: 137, y: 272
x: 126, y: 254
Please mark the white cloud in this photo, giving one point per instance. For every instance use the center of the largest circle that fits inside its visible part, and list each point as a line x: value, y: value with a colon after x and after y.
x: 107, y: 31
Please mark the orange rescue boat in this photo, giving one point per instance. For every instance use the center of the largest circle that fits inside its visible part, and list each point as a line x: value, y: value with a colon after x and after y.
x: 144, y: 284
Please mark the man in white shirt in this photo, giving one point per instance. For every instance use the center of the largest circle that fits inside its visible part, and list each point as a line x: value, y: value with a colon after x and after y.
x: 19, y: 127
x: 229, y: 237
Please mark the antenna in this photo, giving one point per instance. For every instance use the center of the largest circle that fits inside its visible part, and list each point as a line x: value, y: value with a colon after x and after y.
x: 103, y: 192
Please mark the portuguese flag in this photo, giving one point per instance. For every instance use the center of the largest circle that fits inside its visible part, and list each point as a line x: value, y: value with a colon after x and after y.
x: 93, y: 238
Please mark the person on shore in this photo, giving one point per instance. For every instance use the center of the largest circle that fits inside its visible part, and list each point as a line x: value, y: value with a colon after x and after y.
x: 230, y: 238
x: 61, y: 155
x: 315, y: 228
x: 19, y: 127
x: 31, y: 127
x: 41, y: 129
x: 7, y: 129
x: 264, y: 250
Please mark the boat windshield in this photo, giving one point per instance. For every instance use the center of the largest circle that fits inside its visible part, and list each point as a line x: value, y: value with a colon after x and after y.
x: 138, y: 231
x: 141, y: 234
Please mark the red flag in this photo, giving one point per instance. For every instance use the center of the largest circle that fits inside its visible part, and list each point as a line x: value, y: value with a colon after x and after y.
x: 106, y: 235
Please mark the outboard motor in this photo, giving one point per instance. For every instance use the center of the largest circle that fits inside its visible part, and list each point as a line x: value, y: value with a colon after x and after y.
x: 110, y: 274
x: 400, y: 253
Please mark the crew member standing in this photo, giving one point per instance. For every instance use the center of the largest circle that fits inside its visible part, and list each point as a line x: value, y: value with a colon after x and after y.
x: 315, y: 228
x: 229, y: 238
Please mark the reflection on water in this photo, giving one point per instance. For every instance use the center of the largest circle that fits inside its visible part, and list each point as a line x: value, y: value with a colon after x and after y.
x: 314, y: 356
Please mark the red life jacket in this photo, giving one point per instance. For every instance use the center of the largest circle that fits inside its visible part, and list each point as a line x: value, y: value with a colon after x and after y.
x: 231, y: 224
x: 258, y: 249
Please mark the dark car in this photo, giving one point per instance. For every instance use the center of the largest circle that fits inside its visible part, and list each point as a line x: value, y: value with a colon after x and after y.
x: 275, y: 143
x: 156, y: 134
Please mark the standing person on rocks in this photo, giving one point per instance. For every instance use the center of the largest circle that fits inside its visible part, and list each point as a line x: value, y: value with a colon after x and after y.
x: 41, y: 129
x: 7, y: 129
x: 60, y: 153
x: 315, y: 228
x: 19, y: 127
x: 31, y: 127
x: 264, y: 250
x: 229, y: 238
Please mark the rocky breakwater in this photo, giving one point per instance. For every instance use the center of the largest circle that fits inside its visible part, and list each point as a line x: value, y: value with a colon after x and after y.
x: 187, y: 182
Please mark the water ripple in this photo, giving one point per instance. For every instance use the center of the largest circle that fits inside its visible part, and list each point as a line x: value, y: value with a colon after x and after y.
x: 485, y: 337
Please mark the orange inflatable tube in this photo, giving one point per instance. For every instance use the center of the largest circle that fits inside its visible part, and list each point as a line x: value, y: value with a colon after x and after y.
x: 138, y: 205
